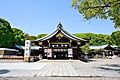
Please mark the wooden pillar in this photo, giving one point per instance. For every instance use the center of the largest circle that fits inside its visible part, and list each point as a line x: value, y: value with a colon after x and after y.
x: 70, y: 43
x: 48, y: 43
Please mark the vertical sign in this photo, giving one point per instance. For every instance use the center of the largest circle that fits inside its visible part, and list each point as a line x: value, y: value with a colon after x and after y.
x: 27, y: 50
x: 70, y: 53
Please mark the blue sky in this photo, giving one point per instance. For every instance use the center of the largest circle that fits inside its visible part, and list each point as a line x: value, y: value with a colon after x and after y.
x: 42, y: 16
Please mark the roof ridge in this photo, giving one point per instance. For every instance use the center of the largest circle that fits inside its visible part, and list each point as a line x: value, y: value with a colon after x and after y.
x: 60, y: 28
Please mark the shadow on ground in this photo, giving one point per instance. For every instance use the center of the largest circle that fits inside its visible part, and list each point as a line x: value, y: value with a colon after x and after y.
x: 110, y: 67
x: 4, y: 71
x: 88, y: 61
x: 91, y: 60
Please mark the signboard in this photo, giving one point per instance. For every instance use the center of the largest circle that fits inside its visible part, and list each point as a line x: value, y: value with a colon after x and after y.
x: 49, y: 52
x: 27, y: 48
x: 60, y: 50
x: 70, y: 53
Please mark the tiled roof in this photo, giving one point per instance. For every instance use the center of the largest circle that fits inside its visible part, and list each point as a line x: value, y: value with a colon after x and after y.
x: 101, y: 47
x: 8, y: 49
x: 60, y: 28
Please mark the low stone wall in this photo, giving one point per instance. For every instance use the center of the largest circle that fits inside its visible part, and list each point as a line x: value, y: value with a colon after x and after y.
x: 12, y: 57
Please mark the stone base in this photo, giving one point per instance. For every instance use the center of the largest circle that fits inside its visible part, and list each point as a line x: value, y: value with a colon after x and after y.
x: 27, y: 59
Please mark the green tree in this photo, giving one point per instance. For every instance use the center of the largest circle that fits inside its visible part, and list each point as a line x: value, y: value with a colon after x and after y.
x: 28, y: 37
x: 7, y: 38
x: 101, y: 39
x: 95, y: 39
x: 116, y: 37
x: 41, y: 35
x: 19, y: 36
x: 86, y: 36
x: 85, y: 49
x: 32, y: 37
x: 102, y: 9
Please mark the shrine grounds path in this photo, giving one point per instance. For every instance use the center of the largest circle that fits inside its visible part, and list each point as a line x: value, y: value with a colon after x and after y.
x: 95, y: 69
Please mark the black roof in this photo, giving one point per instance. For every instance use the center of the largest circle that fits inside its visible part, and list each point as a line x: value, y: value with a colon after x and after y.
x: 60, y: 28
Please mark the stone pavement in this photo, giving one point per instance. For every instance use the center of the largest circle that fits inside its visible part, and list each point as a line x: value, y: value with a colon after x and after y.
x: 76, y: 68
x: 99, y: 68
x: 96, y: 68
x: 20, y: 69
x: 58, y: 78
x: 58, y: 69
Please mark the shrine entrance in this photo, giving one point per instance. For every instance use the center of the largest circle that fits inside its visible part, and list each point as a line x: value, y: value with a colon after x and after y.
x: 60, y: 55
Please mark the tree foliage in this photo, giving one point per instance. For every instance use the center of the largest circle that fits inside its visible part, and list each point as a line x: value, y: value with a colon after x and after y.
x: 41, y: 35
x: 95, y: 39
x: 19, y: 36
x: 116, y: 37
x: 103, y: 9
x: 85, y: 49
x: 32, y: 37
x: 7, y: 38
x: 28, y: 37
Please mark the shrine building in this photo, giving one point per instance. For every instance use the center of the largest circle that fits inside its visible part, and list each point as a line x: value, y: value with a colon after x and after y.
x: 60, y: 44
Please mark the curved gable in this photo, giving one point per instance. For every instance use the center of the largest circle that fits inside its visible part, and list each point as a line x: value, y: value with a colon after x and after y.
x: 60, y: 32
